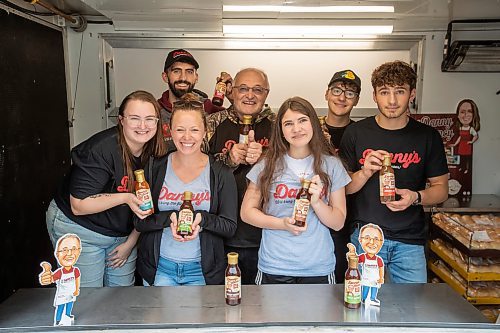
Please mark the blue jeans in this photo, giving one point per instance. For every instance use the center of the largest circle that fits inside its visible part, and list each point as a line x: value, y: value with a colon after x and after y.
x: 60, y: 308
x: 405, y: 263
x: 169, y: 273
x: 95, y: 250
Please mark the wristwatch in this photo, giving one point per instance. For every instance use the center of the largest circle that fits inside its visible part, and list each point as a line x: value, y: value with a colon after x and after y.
x: 418, y: 200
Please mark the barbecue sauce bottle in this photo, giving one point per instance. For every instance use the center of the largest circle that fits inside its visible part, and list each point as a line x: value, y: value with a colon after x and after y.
x: 352, y: 284
x: 232, y: 289
x: 220, y: 91
x: 245, y: 128
x: 186, y: 216
x: 302, y: 202
x: 143, y: 192
x: 387, y: 181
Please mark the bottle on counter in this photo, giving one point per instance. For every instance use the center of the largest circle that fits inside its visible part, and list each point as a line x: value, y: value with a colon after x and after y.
x: 186, y: 216
x: 387, y: 181
x: 302, y: 203
x: 352, y: 283
x: 143, y: 191
x: 232, y: 280
x: 220, y: 90
x: 245, y: 128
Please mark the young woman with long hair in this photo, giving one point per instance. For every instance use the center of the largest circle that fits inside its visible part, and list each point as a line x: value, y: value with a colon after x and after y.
x: 298, y: 150
x: 96, y: 199
x: 165, y: 258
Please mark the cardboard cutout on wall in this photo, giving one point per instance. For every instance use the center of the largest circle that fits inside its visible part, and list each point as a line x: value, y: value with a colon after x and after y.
x: 66, y: 278
x: 459, y: 131
x: 371, y: 239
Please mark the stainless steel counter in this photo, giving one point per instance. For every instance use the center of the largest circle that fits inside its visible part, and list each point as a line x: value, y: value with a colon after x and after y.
x: 417, y: 305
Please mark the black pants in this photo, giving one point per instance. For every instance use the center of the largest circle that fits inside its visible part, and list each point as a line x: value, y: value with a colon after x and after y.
x: 340, y: 240
x: 247, y: 261
x: 264, y: 278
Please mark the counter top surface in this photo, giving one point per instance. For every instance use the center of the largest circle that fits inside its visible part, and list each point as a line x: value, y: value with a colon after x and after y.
x: 426, y: 304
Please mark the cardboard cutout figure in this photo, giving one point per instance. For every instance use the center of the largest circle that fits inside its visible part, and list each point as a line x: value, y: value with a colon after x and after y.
x: 469, y: 125
x: 66, y: 278
x: 371, y: 238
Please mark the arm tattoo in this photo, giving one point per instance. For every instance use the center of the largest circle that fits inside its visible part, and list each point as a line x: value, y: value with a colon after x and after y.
x: 99, y: 195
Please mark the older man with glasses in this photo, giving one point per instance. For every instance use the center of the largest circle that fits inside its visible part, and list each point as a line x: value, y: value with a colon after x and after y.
x: 249, y: 93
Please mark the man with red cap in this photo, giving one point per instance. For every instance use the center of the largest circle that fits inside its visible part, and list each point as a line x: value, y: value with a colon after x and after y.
x: 180, y: 73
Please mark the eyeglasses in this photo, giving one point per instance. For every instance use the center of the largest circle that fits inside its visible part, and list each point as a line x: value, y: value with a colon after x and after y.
x: 349, y: 94
x: 257, y: 90
x: 368, y: 239
x: 65, y: 250
x: 188, y: 105
x: 136, y: 121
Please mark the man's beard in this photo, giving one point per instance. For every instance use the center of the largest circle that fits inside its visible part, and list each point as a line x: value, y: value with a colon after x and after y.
x: 178, y: 92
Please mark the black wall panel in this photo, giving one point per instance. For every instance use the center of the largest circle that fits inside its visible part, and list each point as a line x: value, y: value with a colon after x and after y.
x: 34, y: 144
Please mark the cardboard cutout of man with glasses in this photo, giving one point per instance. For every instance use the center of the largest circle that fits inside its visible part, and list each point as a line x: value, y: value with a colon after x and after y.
x: 66, y: 277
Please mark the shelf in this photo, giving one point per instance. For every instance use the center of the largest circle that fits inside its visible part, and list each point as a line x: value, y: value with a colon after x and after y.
x: 485, y: 253
x: 446, y: 278
x: 461, y: 289
x: 469, y: 276
x: 477, y: 203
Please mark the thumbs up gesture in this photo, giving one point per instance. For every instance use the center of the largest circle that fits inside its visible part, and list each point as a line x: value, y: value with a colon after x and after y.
x: 45, y: 277
x: 254, y: 149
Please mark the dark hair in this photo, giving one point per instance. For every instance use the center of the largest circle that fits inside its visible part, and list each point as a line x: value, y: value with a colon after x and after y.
x: 154, y: 147
x: 475, y: 123
x: 347, y: 84
x: 396, y: 73
x: 278, y: 147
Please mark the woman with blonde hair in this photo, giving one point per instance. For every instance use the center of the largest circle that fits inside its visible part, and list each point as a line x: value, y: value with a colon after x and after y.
x: 165, y: 258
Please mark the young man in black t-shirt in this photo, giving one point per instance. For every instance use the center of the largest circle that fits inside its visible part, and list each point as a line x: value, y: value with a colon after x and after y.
x: 342, y: 96
x: 417, y: 157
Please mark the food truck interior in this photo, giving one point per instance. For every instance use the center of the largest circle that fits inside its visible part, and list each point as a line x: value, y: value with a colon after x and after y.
x: 65, y: 65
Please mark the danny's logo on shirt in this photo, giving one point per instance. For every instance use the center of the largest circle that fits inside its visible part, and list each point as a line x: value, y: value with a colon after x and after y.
x: 197, y: 198
x: 398, y: 160
x: 123, y: 187
x: 230, y: 143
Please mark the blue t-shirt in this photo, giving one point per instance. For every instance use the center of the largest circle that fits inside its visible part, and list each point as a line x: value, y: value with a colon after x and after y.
x: 310, y: 253
x: 171, y: 197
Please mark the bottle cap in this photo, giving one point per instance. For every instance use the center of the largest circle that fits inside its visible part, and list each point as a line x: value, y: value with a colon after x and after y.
x: 387, y: 159
x: 247, y: 119
x: 188, y: 195
x: 306, y: 183
x: 353, y: 260
x: 232, y: 258
x: 322, y: 119
x: 139, y: 175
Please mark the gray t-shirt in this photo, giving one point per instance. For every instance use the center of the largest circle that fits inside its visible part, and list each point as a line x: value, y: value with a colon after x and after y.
x: 310, y: 253
x: 171, y: 197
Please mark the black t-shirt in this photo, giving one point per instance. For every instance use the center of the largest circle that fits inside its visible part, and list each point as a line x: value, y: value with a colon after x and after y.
x: 336, y: 133
x: 98, y: 168
x: 418, y: 154
x: 225, y: 136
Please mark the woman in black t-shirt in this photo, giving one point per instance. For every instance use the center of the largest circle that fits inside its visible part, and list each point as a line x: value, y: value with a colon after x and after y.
x: 96, y: 199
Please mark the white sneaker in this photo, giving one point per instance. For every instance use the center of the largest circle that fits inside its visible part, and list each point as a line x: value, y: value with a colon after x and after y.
x: 374, y: 302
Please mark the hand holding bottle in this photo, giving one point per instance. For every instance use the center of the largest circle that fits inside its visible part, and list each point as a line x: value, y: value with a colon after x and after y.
x: 289, y: 225
x: 195, y: 228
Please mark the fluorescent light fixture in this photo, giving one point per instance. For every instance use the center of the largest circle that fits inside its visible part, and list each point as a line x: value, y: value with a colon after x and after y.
x: 316, y: 30
x: 310, y: 9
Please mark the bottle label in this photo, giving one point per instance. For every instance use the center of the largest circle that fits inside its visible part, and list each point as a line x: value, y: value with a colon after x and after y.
x: 387, y: 185
x: 300, y: 209
x: 243, y: 138
x: 145, y: 196
x: 233, y: 287
x: 185, y: 221
x: 220, y: 90
x: 352, y: 291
